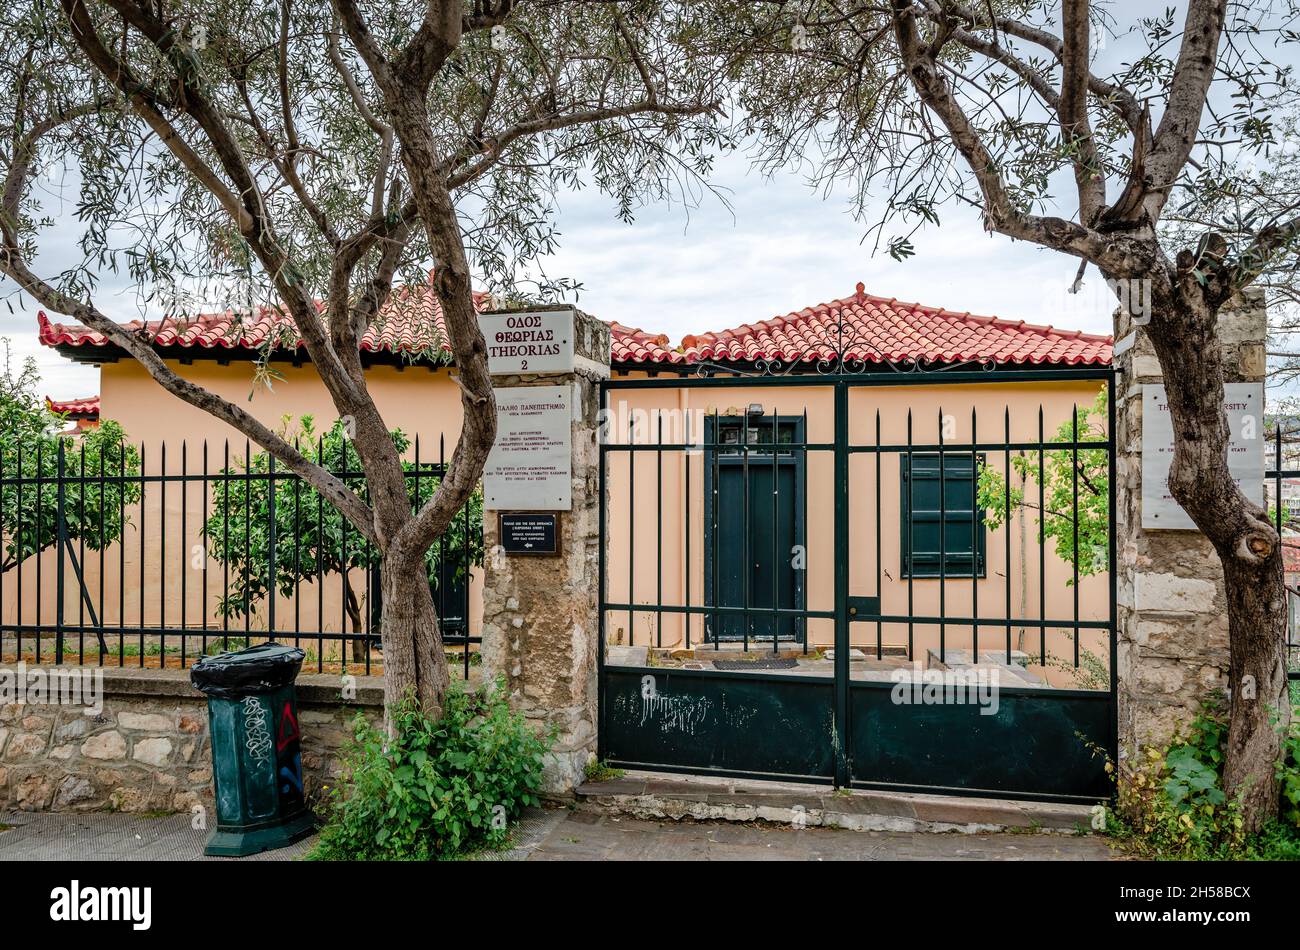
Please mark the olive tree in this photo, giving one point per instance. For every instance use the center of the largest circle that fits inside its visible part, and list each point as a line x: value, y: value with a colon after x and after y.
x: 923, y: 105
x: 316, y: 154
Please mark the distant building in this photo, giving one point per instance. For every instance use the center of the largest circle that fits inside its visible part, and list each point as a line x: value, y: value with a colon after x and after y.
x: 83, y: 413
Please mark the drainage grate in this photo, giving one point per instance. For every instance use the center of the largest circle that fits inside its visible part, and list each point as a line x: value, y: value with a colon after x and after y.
x: 771, y: 663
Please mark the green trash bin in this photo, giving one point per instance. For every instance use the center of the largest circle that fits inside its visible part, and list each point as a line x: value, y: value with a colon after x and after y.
x: 256, y: 749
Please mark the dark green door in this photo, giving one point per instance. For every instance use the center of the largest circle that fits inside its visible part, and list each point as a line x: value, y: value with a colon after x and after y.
x: 751, y: 537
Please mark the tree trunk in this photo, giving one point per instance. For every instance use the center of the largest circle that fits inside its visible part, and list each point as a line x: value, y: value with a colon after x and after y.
x: 360, y: 645
x: 1260, y: 696
x: 414, y: 662
x: 1184, y: 334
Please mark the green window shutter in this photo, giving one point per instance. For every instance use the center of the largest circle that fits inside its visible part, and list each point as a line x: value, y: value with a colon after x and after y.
x: 925, y: 514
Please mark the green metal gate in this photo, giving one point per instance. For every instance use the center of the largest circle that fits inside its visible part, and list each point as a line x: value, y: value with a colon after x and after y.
x: 855, y: 657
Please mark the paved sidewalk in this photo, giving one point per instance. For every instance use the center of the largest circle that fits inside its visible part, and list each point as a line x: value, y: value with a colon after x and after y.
x: 103, y: 836
x: 588, y: 836
x: 557, y: 835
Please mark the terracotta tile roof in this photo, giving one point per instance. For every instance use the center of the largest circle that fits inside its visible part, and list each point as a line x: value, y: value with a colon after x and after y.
x: 630, y: 345
x: 1291, y: 555
x: 876, y: 329
x: 87, y: 407
x: 411, y: 323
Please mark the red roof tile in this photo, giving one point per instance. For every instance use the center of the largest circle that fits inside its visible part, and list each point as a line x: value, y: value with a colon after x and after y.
x: 630, y: 345
x: 1290, y: 555
x: 87, y: 407
x: 876, y: 329
x: 411, y: 323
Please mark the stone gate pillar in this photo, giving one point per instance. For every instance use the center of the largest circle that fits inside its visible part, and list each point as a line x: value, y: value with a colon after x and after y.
x: 540, y: 612
x: 1173, y: 626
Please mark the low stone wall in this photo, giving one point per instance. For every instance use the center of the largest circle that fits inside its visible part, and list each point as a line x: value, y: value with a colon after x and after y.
x: 148, y: 749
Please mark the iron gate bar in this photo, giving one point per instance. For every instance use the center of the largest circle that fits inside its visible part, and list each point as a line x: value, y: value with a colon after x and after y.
x: 1277, y: 474
x: 144, y: 467
x: 776, y: 529
x: 60, y: 516
x: 802, y: 447
x: 744, y: 534
x: 974, y: 546
x: 879, y: 565
x: 184, y: 535
x: 1006, y: 506
x: 687, y: 533
x: 631, y: 548
x: 909, y: 543
x: 707, y: 610
x: 1042, y: 538
x: 162, y: 559
x: 121, y: 559
x: 1111, y: 564
x: 40, y: 587
x: 659, y: 535
x: 602, y: 507
x: 943, y: 542
x: 714, y: 537
x: 843, y: 724
x: 1074, y: 494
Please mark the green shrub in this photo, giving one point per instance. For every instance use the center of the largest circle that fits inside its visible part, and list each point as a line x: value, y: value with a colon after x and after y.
x: 1173, y: 804
x: 440, y: 788
x: 1288, y: 773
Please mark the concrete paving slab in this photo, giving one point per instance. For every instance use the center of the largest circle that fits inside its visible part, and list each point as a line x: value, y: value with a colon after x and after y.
x: 724, y: 799
x: 559, y: 835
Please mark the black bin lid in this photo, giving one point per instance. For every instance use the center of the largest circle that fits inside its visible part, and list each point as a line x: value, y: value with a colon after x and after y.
x: 259, y: 669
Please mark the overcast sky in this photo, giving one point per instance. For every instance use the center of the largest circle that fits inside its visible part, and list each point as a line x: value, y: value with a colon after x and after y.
x: 784, y: 247
x: 780, y: 247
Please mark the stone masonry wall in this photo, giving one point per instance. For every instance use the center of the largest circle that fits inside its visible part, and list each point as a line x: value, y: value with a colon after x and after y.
x: 540, y: 614
x: 149, y: 750
x: 1173, y: 626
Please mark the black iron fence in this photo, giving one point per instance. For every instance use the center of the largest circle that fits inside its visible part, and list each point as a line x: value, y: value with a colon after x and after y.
x: 113, y: 554
x: 1283, y: 480
x: 802, y: 574
x: 985, y: 532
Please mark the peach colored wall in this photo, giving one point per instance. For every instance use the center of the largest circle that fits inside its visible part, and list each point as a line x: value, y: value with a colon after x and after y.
x: 670, y: 572
x: 417, y: 400
x: 426, y: 403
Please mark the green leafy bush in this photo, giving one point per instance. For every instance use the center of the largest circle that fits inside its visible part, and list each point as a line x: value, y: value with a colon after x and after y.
x: 440, y: 788
x: 1174, y: 806
x: 1173, y: 802
x: 98, y: 466
x: 1288, y: 772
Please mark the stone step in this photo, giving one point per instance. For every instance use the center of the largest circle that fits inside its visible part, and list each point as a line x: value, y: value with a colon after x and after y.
x: 706, y: 798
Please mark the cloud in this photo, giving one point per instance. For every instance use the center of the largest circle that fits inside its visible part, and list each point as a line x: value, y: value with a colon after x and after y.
x: 782, y: 246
